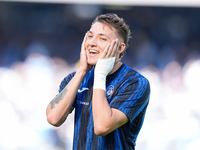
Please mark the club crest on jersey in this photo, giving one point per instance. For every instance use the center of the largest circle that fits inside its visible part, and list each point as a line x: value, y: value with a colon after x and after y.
x: 109, y: 91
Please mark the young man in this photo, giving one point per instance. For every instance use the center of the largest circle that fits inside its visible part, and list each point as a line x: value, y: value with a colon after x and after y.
x: 110, y: 98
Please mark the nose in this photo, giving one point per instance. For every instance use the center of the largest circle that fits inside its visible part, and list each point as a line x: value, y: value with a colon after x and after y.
x: 92, y: 41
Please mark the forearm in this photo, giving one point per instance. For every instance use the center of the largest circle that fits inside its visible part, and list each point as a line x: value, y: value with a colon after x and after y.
x: 59, y: 108
x: 106, y: 119
x: 102, y: 112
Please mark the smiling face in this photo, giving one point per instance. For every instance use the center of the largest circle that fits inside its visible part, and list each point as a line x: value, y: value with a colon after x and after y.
x: 98, y: 37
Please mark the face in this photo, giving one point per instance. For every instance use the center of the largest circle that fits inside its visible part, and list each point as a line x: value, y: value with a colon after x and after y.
x: 98, y: 37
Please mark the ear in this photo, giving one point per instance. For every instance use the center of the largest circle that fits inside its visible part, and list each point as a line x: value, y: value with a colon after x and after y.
x: 122, y: 47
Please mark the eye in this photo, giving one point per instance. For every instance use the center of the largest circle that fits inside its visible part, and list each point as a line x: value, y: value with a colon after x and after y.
x: 103, y: 39
x: 89, y: 36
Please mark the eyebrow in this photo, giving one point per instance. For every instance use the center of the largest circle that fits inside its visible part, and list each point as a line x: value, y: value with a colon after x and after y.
x: 101, y: 34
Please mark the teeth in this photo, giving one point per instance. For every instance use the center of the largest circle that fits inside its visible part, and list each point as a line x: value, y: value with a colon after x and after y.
x: 93, y: 51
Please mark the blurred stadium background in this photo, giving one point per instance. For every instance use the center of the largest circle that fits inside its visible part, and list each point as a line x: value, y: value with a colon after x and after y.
x: 40, y: 45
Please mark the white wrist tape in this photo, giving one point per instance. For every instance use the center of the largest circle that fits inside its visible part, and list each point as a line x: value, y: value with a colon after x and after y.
x: 102, y: 68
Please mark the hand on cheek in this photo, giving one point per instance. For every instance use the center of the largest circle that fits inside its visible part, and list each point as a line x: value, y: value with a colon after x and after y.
x: 105, y: 64
x: 83, y: 57
x: 111, y: 49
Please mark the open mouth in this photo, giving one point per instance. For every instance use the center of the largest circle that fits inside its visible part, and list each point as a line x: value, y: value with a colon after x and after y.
x: 93, y: 52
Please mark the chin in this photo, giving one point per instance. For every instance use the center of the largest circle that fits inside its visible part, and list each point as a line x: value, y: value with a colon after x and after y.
x: 93, y: 63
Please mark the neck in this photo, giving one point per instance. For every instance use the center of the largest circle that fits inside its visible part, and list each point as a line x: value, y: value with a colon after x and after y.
x: 117, y: 64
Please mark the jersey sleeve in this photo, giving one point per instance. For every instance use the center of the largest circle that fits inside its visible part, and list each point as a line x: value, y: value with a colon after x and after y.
x: 132, y: 97
x: 64, y: 82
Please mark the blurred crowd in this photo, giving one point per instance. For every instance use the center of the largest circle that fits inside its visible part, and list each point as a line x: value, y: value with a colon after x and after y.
x: 40, y: 45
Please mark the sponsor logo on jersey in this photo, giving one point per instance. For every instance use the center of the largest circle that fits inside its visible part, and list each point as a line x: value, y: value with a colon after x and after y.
x: 82, y: 103
x: 109, y: 91
x: 82, y: 90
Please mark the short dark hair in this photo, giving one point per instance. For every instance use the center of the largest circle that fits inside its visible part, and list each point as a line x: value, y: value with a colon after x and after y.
x: 119, y: 24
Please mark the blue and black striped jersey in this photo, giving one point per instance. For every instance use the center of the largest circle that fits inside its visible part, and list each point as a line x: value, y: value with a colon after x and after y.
x: 127, y: 91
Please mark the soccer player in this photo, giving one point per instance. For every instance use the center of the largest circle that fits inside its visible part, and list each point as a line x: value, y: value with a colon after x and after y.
x: 110, y: 98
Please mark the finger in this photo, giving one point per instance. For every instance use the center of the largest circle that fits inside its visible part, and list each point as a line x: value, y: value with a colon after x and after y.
x: 115, y: 48
x: 104, y: 54
x: 83, y: 43
x: 111, y: 49
x: 83, y: 50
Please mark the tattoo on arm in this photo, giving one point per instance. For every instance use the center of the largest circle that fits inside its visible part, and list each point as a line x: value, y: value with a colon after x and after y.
x: 58, y: 98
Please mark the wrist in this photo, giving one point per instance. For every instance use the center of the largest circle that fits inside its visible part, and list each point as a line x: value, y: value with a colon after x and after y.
x: 99, y: 82
x: 102, y: 69
x: 81, y: 73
